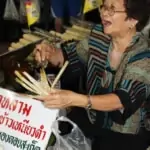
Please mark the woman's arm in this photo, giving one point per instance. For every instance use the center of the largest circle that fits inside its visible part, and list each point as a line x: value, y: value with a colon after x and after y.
x: 108, y: 102
x: 131, y: 92
x: 129, y: 96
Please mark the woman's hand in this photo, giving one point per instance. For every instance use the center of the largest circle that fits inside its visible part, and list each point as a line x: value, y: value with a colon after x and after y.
x: 46, y: 52
x: 63, y: 99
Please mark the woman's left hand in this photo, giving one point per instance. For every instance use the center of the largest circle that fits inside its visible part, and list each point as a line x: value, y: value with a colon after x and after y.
x: 62, y: 99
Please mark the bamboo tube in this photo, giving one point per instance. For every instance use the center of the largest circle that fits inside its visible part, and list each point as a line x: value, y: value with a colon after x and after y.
x: 44, y: 80
x: 16, y: 45
x: 11, y: 49
x: 25, y: 86
x: 31, y: 37
x: 70, y: 36
x: 55, y: 33
x: 59, y: 74
x: 27, y: 82
x: 66, y: 37
x: 76, y: 36
x: 35, y: 83
x: 81, y: 28
x: 83, y: 33
x: 24, y: 41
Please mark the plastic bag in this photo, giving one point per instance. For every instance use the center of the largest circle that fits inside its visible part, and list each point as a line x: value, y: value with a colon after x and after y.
x: 38, y: 6
x: 33, y: 11
x: 22, y: 8
x: 22, y: 12
x: 89, y: 5
x: 99, y: 2
x: 11, y: 12
x: 72, y: 141
x: 146, y: 29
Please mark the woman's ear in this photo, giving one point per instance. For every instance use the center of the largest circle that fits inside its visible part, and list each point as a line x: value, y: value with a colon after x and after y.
x: 132, y: 23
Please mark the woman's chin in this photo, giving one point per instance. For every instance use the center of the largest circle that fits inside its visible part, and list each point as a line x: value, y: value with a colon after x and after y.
x: 107, y: 31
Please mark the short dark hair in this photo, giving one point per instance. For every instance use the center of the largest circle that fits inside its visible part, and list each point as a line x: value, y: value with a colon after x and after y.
x: 139, y: 10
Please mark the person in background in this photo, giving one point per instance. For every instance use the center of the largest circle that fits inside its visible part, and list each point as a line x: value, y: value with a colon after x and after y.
x: 118, y: 77
x: 59, y: 9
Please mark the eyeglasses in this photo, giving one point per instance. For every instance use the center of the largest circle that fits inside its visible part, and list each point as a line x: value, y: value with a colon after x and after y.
x: 111, y: 11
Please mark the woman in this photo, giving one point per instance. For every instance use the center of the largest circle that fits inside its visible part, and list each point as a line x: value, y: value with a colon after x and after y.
x: 118, y: 68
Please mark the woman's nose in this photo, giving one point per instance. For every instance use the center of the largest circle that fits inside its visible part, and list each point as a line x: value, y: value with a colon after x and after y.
x: 105, y: 12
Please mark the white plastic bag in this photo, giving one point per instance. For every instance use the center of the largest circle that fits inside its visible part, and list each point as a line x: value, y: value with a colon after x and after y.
x: 146, y: 30
x: 72, y: 141
x: 11, y: 12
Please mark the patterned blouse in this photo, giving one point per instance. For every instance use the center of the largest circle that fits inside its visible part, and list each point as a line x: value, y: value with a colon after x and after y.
x: 130, y: 81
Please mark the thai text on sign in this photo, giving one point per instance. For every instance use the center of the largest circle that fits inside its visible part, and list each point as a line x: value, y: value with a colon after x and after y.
x: 25, y: 124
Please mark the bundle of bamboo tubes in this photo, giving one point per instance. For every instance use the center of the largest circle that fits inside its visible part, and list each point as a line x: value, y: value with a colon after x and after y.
x: 75, y: 32
x: 25, y: 40
x: 41, y: 87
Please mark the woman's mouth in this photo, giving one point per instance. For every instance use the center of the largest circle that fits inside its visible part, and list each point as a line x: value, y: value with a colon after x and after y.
x: 106, y: 23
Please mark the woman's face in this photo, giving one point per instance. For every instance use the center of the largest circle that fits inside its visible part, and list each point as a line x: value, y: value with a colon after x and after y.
x: 114, y: 18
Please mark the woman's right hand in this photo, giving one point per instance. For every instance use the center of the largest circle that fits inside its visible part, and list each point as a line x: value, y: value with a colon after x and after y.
x: 44, y: 52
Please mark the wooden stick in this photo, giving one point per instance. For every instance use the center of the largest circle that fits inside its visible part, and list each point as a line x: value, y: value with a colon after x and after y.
x: 60, y: 74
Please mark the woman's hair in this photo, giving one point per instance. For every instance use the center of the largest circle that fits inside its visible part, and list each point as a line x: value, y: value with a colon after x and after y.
x: 139, y: 10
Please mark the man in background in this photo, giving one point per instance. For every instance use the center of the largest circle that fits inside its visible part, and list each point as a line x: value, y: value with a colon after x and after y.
x: 60, y: 8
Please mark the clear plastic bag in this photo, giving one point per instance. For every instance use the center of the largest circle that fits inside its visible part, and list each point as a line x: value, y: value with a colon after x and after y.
x: 38, y: 6
x: 146, y: 29
x: 22, y: 12
x: 11, y: 12
x: 72, y: 141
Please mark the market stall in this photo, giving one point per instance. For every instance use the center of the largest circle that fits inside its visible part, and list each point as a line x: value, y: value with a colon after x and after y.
x: 18, y: 61
x: 22, y: 125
